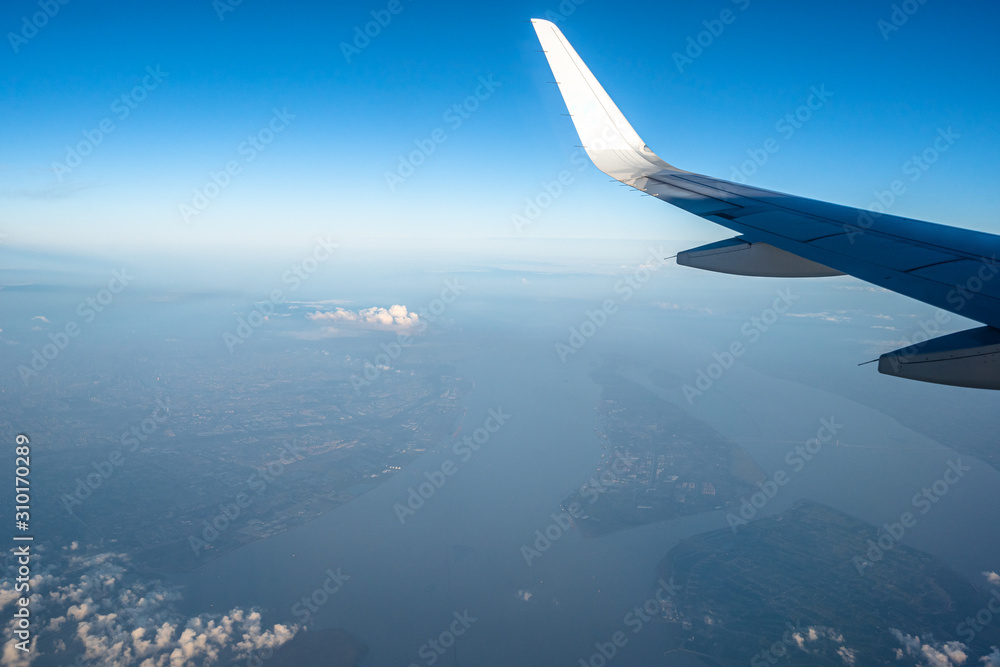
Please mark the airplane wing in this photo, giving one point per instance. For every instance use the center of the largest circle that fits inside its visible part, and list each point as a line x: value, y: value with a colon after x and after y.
x: 781, y: 235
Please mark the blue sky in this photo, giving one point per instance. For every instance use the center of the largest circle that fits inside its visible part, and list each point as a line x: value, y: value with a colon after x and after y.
x: 344, y: 125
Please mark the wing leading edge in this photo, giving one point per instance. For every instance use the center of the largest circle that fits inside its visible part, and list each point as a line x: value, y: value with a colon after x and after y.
x: 783, y: 235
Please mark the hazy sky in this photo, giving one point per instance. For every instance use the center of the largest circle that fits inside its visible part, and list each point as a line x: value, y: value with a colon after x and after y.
x: 184, y: 86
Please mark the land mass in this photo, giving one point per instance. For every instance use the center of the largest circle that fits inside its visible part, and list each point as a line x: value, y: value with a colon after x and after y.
x: 660, y: 463
x: 790, y: 587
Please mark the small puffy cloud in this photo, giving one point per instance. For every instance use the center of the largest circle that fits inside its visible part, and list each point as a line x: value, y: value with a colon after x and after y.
x: 993, y: 578
x: 254, y: 639
x: 663, y: 305
x: 813, y: 634
x: 320, y: 334
x: 930, y: 653
x: 848, y: 655
x: 993, y: 659
x: 7, y: 596
x: 838, y: 317
x: 114, y: 619
x: 955, y: 652
x: 820, y: 640
x: 14, y: 657
x: 861, y: 288
x: 393, y: 317
x: 78, y: 611
x: 41, y: 317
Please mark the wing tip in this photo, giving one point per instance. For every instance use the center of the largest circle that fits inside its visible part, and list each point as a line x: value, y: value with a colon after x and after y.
x: 609, y: 139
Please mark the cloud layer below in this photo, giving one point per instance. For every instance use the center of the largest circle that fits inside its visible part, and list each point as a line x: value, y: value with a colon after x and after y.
x: 100, y: 612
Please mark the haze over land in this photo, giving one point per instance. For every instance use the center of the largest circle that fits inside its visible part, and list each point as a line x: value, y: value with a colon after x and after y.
x: 388, y: 488
x: 336, y: 348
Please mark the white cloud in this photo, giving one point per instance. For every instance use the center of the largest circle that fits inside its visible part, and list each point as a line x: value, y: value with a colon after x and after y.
x: 676, y: 306
x: 814, y: 641
x: 321, y: 334
x: 393, y: 317
x: 993, y: 659
x: 7, y: 596
x: 930, y: 653
x: 861, y: 288
x: 815, y: 633
x: 993, y: 578
x: 116, y: 620
x: 837, y: 317
x: 848, y: 655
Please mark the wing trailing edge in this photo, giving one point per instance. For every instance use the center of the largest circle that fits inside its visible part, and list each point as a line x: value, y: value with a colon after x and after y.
x: 783, y: 235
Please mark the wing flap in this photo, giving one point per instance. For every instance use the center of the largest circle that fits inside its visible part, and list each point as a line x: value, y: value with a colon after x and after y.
x: 883, y: 251
x: 793, y: 226
x: 972, y: 277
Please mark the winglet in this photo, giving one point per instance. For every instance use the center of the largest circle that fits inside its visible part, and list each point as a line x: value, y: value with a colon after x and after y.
x: 606, y: 135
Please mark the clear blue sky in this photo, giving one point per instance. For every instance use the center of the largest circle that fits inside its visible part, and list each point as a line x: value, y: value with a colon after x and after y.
x: 324, y: 172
